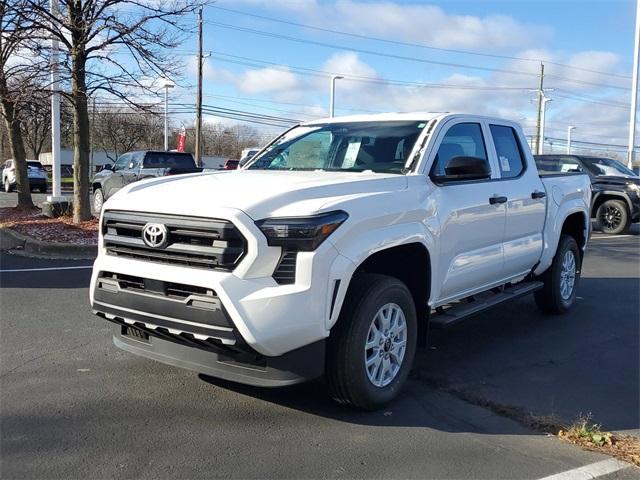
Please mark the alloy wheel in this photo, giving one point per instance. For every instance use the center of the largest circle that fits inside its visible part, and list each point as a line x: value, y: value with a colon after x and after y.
x: 386, y: 345
x: 567, y: 275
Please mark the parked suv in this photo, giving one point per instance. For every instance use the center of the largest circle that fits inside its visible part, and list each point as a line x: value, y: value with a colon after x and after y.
x: 35, y: 172
x: 133, y: 166
x: 616, y: 189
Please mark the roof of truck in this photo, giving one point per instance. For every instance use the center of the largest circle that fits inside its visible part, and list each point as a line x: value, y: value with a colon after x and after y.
x: 394, y: 116
x: 391, y: 116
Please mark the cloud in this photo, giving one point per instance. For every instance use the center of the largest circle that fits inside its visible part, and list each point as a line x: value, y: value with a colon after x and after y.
x: 427, y: 24
x: 267, y: 80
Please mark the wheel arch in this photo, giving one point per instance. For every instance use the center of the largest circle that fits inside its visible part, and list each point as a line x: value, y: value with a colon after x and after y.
x: 95, y: 186
x: 408, y: 262
x: 601, y: 197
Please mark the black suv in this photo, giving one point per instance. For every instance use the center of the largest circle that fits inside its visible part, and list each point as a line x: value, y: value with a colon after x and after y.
x: 616, y: 189
x: 133, y: 166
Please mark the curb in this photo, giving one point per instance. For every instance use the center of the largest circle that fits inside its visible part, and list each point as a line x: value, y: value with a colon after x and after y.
x: 32, y: 247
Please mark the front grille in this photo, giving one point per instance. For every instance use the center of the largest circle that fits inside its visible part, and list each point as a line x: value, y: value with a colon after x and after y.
x: 285, y: 272
x: 191, y: 241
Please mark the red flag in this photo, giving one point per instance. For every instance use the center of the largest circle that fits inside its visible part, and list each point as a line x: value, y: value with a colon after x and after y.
x: 182, y: 137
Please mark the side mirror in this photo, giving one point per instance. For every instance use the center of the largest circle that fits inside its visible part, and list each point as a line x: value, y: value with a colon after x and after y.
x: 131, y: 165
x: 108, y: 166
x: 465, y: 168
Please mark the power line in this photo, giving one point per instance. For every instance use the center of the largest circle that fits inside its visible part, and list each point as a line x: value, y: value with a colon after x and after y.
x: 399, y: 57
x: 253, y: 62
x: 417, y: 45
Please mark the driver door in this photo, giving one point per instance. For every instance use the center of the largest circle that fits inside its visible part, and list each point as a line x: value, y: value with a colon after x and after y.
x: 115, y: 181
x: 471, y: 215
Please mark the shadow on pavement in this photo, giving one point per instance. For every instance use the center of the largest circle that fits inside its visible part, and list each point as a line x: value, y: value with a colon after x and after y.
x: 514, y: 356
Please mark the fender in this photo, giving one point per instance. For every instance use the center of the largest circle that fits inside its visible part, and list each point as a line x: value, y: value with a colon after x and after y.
x: 361, y: 246
x: 611, y: 193
x: 553, y: 229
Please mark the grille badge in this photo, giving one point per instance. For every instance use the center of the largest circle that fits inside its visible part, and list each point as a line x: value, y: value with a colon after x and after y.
x: 155, y: 235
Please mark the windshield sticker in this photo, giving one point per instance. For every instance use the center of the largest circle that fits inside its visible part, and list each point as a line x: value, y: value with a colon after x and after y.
x: 352, y: 153
x: 504, y: 164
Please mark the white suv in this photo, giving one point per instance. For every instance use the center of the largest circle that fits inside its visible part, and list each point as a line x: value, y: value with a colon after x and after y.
x: 35, y: 172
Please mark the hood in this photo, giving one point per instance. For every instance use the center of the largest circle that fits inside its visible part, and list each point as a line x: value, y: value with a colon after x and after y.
x: 615, y: 180
x: 258, y: 193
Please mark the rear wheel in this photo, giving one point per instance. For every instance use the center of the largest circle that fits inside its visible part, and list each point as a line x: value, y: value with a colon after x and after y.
x: 98, y: 200
x: 613, y: 217
x: 371, y: 348
x: 561, y: 278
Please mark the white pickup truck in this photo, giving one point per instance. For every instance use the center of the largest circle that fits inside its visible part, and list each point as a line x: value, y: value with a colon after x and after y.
x: 335, y: 247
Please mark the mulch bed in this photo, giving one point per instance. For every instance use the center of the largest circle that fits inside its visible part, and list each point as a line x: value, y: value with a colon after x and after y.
x: 36, y: 225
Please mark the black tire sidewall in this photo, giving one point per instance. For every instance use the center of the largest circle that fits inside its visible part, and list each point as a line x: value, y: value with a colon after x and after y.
x: 567, y: 243
x: 624, y: 224
x: 385, y: 290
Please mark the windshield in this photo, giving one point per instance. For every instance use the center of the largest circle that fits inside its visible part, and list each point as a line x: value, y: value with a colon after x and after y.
x: 35, y: 165
x: 607, y: 166
x: 354, y: 147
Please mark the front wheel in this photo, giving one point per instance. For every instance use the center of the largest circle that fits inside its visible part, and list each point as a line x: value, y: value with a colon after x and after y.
x: 370, y: 351
x: 561, y: 278
x: 613, y: 217
x: 98, y: 200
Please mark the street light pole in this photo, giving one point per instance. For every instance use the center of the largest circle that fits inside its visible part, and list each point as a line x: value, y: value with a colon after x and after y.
x: 166, y: 84
x: 333, y: 94
x: 543, y: 115
x: 634, y: 89
x: 569, y: 128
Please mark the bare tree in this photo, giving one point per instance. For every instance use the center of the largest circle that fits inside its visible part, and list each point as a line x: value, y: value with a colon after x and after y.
x: 113, y: 46
x: 36, y: 119
x: 122, y: 130
x: 16, y: 30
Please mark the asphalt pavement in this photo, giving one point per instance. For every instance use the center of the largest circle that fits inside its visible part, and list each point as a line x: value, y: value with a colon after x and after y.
x: 74, y: 406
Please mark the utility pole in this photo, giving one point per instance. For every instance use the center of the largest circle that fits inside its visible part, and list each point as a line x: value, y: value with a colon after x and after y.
x: 634, y: 90
x: 199, y: 100
x: 569, y: 128
x: 540, y: 108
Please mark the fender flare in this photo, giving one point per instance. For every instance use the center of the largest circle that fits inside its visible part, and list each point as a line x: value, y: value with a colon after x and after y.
x: 361, y: 249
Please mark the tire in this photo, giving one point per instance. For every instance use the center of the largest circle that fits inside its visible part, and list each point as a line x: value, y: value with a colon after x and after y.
x: 559, y: 292
x: 98, y: 200
x: 370, y: 298
x: 613, y: 217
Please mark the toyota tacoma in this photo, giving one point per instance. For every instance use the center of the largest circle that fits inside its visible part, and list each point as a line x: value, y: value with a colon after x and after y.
x: 335, y: 247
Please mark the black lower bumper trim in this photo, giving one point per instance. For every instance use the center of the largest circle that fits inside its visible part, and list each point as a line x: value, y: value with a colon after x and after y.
x: 300, y: 365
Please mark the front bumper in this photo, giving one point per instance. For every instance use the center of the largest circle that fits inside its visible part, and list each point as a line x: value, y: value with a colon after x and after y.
x: 37, y: 182
x: 244, y: 315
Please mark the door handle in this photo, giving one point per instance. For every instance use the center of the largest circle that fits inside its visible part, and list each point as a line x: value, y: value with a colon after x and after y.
x: 536, y: 194
x: 497, y: 199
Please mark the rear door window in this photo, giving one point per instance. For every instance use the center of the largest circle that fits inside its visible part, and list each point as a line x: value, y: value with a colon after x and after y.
x: 168, y: 160
x: 508, y: 150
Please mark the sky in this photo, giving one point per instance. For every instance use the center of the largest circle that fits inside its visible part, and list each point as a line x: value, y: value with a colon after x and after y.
x: 464, y: 56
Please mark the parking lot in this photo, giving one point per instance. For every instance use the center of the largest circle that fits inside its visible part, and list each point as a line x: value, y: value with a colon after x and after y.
x: 73, y: 405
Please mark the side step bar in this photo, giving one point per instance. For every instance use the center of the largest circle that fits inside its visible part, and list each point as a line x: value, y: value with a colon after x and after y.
x: 444, y: 317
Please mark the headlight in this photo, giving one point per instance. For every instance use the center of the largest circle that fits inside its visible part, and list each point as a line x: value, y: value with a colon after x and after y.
x: 301, y: 233
x: 634, y: 187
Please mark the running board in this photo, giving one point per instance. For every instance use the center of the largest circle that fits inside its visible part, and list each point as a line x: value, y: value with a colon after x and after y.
x: 445, y: 317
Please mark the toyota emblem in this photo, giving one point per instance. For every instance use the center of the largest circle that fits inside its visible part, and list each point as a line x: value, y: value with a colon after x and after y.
x: 155, y: 235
